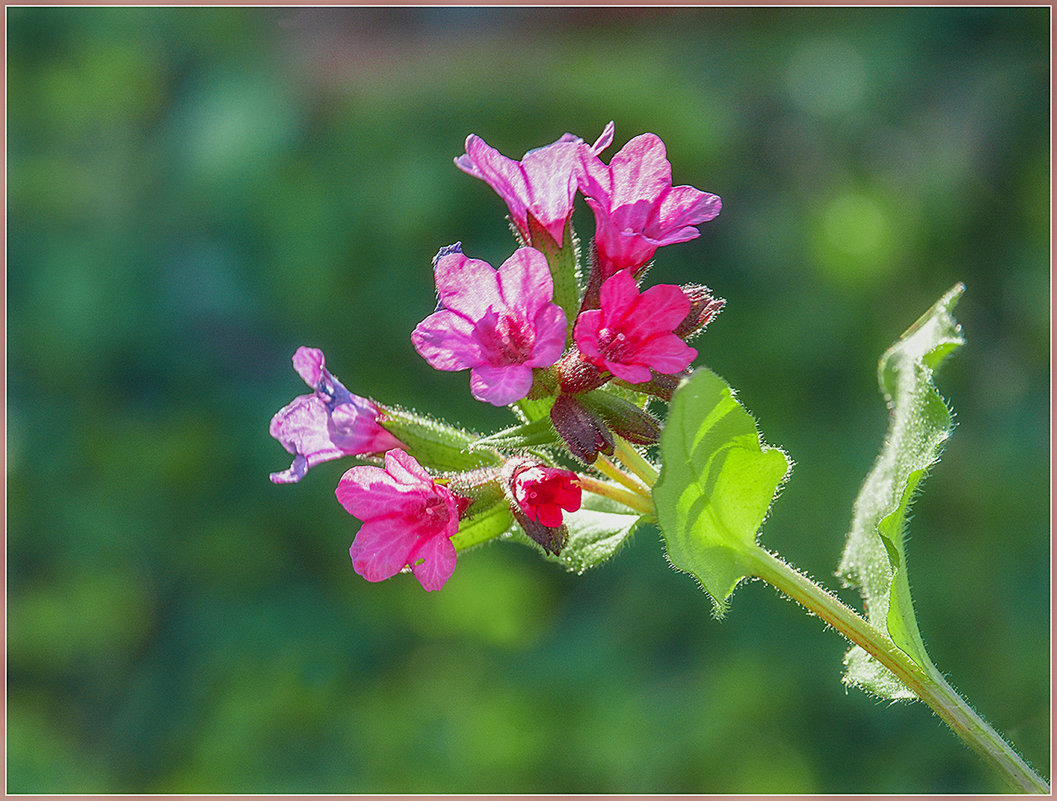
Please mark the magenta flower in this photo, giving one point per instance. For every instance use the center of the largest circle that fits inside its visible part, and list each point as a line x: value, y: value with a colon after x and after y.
x: 499, y: 324
x: 632, y: 333
x: 543, y: 183
x: 636, y: 207
x: 328, y: 424
x: 543, y: 492
x: 408, y: 520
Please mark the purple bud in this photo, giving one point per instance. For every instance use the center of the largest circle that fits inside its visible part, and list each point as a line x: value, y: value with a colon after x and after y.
x: 582, y: 431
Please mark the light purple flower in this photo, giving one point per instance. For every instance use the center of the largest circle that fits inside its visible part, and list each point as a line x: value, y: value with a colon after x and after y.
x: 327, y: 424
x: 636, y: 207
x: 408, y: 520
x: 499, y: 324
x: 543, y: 183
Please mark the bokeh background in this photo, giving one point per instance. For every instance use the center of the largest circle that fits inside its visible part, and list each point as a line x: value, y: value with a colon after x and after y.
x: 194, y: 192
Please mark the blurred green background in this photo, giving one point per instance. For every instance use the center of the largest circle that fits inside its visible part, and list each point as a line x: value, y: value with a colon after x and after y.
x: 194, y: 192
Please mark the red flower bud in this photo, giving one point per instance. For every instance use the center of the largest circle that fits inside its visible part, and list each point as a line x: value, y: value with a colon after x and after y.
x: 543, y: 492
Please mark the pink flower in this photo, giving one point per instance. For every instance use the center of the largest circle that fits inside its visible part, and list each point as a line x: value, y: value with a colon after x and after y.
x: 543, y: 183
x: 328, y: 424
x: 636, y: 207
x: 542, y: 493
x: 499, y: 324
x: 632, y: 333
x: 408, y: 520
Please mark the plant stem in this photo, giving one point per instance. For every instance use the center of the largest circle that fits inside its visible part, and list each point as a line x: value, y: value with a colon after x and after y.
x: 930, y: 687
x: 634, y: 461
x: 606, y: 467
x: 634, y: 500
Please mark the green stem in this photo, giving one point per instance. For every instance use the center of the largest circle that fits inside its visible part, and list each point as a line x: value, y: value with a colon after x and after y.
x: 633, y: 500
x: 606, y: 467
x: 929, y: 687
x: 634, y: 461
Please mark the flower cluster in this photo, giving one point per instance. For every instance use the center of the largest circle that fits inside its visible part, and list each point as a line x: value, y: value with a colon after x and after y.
x: 578, y: 360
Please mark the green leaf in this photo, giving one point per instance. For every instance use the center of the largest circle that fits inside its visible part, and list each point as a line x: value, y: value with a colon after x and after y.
x: 874, y: 558
x: 435, y: 444
x: 527, y: 435
x: 596, y: 532
x: 482, y: 527
x: 717, y: 482
x: 529, y: 410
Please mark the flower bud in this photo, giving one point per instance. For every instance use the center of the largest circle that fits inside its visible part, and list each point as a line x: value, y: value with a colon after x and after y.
x: 537, y: 495
x: 703, y: 307
x: 542, y: 492
x: 551, y: 538
x: 625, y: 418
x: 660, y: 385
x: 577, y: 375
x: 582, y: 430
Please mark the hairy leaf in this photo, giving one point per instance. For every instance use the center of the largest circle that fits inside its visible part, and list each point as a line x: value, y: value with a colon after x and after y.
x: 529, y: 410
x: 435, y: 444
x: 717, y: 482
x: 874, y: 558
x: 527, y: 435
x: 596, y: 532
x: 487, y: 525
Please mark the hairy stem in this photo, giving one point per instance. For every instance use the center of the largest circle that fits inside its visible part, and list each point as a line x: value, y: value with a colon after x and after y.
x: 626, y: 454
x: 930, y: 688
x: 606, y: 467
x: 633, y: 500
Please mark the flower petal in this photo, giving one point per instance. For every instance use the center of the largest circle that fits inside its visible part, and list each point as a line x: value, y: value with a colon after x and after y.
x: 500, y: 386
x: 585, y: 332
x: 632, y: 373
x: 382, y: 548
x: 618, y: 293
x: 550, y: 328
x: 466, y: 286
x: 666, y: 354
x: 641, y: 171
x: 368, y: 492
x: 524, y: 282
x: 659, y: 309
x: 405, y: 469
x: 308, y: 362
x: 439, y: 557
x: 446, y: 341
x: 504, y: 175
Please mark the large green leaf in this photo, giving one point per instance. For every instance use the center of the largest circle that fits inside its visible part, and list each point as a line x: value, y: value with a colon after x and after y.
x: 874, y: 558
x: 717, y: 482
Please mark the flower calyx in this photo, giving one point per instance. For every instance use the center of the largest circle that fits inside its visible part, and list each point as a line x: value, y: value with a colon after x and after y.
x: 704, y: 307
x: 583, y: 431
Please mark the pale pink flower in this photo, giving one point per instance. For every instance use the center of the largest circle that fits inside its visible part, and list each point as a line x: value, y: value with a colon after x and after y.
x: 542, y: 184
x: 543, y: 492
x: 327, y: 424
x: 636, y: 207
x: 499, y: 324
x: 408, y: 520
x: 631, y: 334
